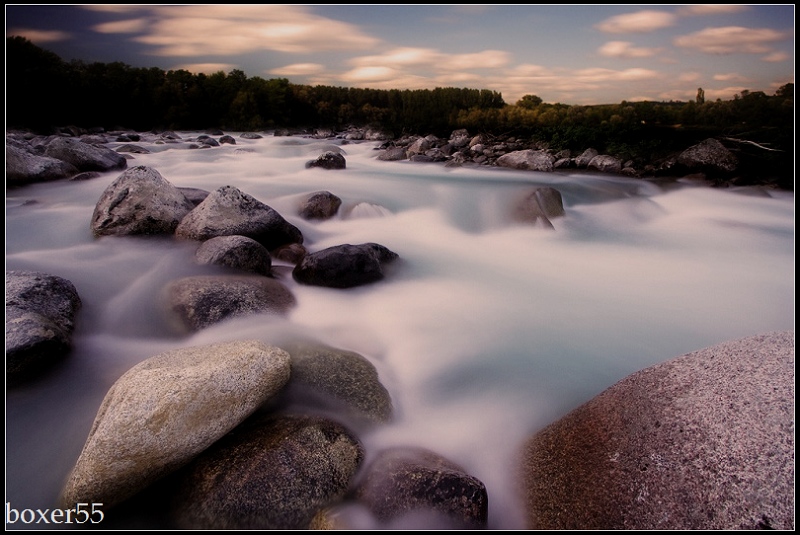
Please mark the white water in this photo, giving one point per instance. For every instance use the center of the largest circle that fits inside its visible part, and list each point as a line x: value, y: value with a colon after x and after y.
x: 484, y: 332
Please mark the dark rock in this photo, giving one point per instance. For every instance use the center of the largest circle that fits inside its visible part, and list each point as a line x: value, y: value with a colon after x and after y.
x: 272, y: 472
x: 88, y: 175
x: 238, y: 252
x: 328, y: 160
x: 228, y: 211
x: 402, y: 482
x: 209, y: 142
x: 393, y: 154
x: 344, y: 266
x: 292, y: 253
x: 24, y: 167
x: 251, y: 135
x: 136, y: 149
x: 701, y: 442
x: 421, y: 158
x: 201, y: 301
x: 585, y: 157
x: 139, y: 201
x: 538, y: 207
x: 227, y: 140
x: 709, y: 156
x: 320, y: 205
x: 40, y: 319
x: 605, y: 164
x: 83, y: 156
x: 459, y: 138
x: 194, y: 195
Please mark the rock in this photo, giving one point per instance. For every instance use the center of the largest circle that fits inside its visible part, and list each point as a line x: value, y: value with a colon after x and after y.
x: 328, y: 160
x: 273, y: 472
x: 24, y: 167
x: 201, y: 301
x: 166, y: 410
x: 251, y: 135
x: 534, y: 160
x: 291, y: 253
x: 703, y: 441
x: 228, y: 212
x: 40, y: 319
x: 87, y: 175
x: 320, y: 205
x: 340, y: 380
x: 585, y: 157
x: 227, y: 140
x: 413, y: 481
x: 418, y: 146
x: 194, y: 195
x: 237, y: 252
x: 709, y: 156
x: 459, y: 138
x: 538, y: 207
x: 209, y: 141
x: 136, y: 149
x: 605, y: 164
x: 421, y: 158
x: 83, y: 156
x: 139, y: 201
x: 343, y: 266
x: 393, y: 154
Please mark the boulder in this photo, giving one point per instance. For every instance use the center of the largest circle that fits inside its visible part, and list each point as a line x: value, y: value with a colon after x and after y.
x: 139, y: 201
x: 393, y: 154
x: 229, y: 140
x: 237, y: 252
x: 338, y: 380
x: 709, y: 156
x: 414, y: 482
x: 40, y: 319
x: 320, y: 205
x: 251, y: 135
x: 605, y: 164
x: 459, y: 138
x: 195, y: 195
x: 166, y: 410
x: 228, y: 212
x: 135, y: 149
x: 201, y: 301
x: 328, y: 160
x: 533, y: 160
x: 273, y: 472
x: 539, y: 206
x: 344, y: 266
x: 582, y: 161
x: 23, y: 167
x: 702, y: 442
x: 83, y: 156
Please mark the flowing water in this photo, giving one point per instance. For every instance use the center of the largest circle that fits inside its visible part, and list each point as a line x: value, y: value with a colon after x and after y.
x: 485, y: 330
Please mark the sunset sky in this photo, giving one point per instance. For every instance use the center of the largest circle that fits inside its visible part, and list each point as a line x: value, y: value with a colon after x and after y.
x: 562, y: 53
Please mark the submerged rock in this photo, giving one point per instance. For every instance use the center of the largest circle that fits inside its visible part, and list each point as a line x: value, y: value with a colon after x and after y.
x: 237, y: 252
x: 539, y: 207
x: 320, y: 205
x: 328, y: 160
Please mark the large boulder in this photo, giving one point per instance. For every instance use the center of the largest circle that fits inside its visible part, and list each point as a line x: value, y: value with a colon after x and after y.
x: 237, y: 252
x: 339, y: 380
x: 166, y: 410
x: 582, y: 161
x: 228, y: 212
x: 320, y: 205
x: 533, y: 160
x: 393, y: 154
x: 84, y: 156
x: 703, y: 441
x: 273, y: 472
x: 40, y: 319
x: 140, y: 201
x: 328, y: 160
x: 709, y: 156
x: 24, y: 167
x: 539, y: 206
x: 605, y: 164
x: 344, y: 266
x: 204, y: 300
x: 417, y: 483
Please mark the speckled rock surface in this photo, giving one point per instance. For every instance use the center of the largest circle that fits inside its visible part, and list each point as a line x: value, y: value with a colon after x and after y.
x: 237, y: 252
x: 703, y: 441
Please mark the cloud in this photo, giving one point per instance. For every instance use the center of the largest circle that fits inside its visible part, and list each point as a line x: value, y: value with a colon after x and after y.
x: 730, y: 77
x: 370, y: 74
x: 39, y: 36
x: 639, y: 22
x: 625, y: 49
x: 711, y: 9
x: 122, y: 26
x: 605, y: 75
x: 689, y: 77
x: 730, y: 40
x: 427, y: 57
x: 775, y: 57
x: 298, y: 69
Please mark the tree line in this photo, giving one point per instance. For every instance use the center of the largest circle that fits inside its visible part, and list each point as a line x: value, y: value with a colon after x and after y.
x: 42, y: 90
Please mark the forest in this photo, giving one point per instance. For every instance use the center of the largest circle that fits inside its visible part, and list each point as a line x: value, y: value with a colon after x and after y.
x: 42, y: 91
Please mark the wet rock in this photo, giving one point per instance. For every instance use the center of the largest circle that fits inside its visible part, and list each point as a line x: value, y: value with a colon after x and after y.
x: 83, y: 156
x: 539, y: 207
x: 23, y: 167
x: 139, y: 201
x: 703, y: 441
x: 228, y: 212
x: 273, y: 472
x: 166, y: 410
x: 320, y: 205
x: 533, y: 160
x: 237, y: 252
x: 344, y: 266
x: 413, y: 482
x: 88, y: 175
x: 40, y: 319
x: 328, y: 160
x: 229, y: 140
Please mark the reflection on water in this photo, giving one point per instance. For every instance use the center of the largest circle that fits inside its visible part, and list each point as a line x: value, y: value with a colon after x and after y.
x: 483, y: 332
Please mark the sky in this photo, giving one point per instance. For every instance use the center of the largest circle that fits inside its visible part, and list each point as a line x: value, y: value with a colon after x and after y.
x: 572, y: 54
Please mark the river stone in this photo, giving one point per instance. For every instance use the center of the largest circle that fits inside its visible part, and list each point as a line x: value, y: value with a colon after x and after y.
x: 139, y: 201
x: 343, y: 266
x: 414, y: 482
x: 228, y: 212
x: 393, y: 154
x: 238, y: 252
x: 166, y: 410
x: 703, y: 441
x: 582, y: 161
x: 201, y: 301
x: 328, y: 160
x: 709, y: 156
x: 320, y: 205
x: 533, y: 160
x: 24, y: 167
x: 273, y: 472
x: 605, y: 164
x: 540, y: 206
x: 337, y: 379
x: 84, y: 156
x: 40, y: 319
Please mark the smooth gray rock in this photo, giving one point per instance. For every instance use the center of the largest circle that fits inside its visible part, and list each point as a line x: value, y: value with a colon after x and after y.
x: 273, y: 472
x: 328, y: 160
x: 393, y: 154
x: 135, y: 149
x: 40, y: 320
x: 582, y: 161
x: 533, y: 160
x: 414, y: 482
x: 251, y: 135
x: 227, y: 140
x: 605, y: 164
x: 139, y: 201
x: 201, y: 301
x: 539, y: 206
x: 320, y: 205
x: 166, y: 410
x: 703, y: 441
x: 229, y: 212
x: 24, y: 167
x: 238, y: 252
x: 344, y: 266
x: 709, y: 156
x: 83, y: 156
x: 337, y: 379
